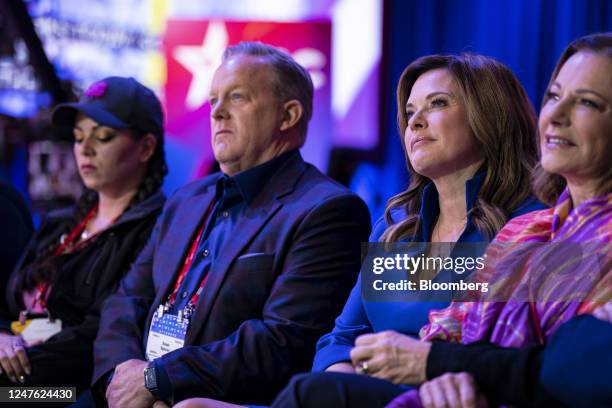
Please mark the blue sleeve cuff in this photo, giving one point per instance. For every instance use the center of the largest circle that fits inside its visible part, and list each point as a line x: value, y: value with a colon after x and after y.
x: 331, y: 354
x: 164, y: 386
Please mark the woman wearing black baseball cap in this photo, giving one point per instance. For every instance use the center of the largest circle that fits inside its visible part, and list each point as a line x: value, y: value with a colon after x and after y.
x: 76, y: 259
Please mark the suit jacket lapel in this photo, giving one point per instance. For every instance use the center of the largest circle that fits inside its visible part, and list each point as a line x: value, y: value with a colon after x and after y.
x: 256, y: 216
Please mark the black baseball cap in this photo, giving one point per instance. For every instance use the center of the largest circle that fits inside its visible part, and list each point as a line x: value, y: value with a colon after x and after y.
x: 117, y: 102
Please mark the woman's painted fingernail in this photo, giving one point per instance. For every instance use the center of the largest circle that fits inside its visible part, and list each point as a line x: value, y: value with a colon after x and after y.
x: 28, y: 371
x: 13, y: 379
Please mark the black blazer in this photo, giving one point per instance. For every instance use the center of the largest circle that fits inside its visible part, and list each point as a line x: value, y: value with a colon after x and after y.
x: 86, y: 278
x: 15, y: 230
x: 275, y: 288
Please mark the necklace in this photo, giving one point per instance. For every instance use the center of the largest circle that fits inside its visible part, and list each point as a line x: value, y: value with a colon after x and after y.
x: 453, y: 236
x: 67, y: 242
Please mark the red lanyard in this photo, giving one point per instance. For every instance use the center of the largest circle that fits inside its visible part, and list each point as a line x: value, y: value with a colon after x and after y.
x: 189, y: 261
x: 68, y: 245
x: 71, y: 238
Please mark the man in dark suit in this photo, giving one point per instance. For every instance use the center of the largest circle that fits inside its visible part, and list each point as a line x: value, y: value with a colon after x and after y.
x: 246, y: 268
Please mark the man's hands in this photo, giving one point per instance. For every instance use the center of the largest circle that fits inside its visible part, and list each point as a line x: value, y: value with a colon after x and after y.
x: 391, y: 356
x: 127, y: 388
x: 13, y: 358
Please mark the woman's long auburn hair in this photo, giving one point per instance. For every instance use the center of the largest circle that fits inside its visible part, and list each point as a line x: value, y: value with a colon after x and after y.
x: 503, y: 123
x: 548, y: 186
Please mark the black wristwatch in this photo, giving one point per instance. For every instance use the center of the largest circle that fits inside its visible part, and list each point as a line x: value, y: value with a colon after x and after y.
x: 150, y: 380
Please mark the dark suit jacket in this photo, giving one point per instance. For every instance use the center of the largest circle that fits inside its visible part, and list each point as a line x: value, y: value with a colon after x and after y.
x: 275, y: 288
x: 15, y: 230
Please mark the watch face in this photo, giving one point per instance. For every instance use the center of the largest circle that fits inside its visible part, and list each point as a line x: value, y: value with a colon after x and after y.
x: 149, y: 377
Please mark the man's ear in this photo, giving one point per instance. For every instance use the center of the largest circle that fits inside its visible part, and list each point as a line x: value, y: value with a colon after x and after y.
x: 292, y: 113
x: 148, y: 143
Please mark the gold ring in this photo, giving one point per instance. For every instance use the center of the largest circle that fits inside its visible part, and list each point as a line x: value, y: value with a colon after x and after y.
x: 363, y: 367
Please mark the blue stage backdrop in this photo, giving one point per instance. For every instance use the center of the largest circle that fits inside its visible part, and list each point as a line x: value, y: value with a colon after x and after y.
x: 526, y: 35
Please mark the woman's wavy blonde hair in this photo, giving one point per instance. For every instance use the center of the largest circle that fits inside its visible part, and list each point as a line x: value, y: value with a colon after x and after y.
x: 548, y: 186
x: 503, y: 123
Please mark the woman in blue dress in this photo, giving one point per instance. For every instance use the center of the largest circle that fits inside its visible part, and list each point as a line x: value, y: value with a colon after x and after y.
x: 469, y: 136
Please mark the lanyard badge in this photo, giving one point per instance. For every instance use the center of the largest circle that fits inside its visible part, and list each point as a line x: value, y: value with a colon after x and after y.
x: 35, y: 328
x: 168, y: 331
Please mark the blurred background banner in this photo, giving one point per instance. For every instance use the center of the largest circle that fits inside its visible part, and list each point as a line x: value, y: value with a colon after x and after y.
x: 51, y: 50
x: 193, y: 50
x: 174, y: 48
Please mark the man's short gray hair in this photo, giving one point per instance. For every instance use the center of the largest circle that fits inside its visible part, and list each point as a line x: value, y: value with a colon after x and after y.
x: 292, y: 80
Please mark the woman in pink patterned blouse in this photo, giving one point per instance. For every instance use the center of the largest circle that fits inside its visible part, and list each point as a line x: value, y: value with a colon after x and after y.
x: 547, y: 266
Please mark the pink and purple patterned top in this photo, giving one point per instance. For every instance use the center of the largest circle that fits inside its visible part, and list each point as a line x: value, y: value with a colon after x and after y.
x: 554, y: 263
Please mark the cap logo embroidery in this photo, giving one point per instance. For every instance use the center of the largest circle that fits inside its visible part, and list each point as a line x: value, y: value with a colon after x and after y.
x: 96, y: 90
